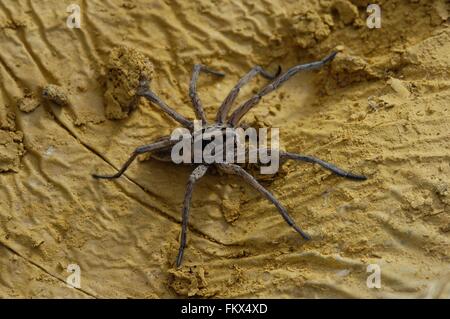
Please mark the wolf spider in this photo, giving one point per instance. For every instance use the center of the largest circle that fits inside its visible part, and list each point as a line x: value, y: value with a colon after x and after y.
x: 163, y: 146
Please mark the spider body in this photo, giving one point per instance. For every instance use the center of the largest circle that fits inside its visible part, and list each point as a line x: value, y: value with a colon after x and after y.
x: 165, y: 154
x: 163, y: 148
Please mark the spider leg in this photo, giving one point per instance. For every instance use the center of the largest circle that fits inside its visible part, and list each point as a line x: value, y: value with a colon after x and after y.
x: 144, y: 90
x: 198, y: 173
x: 193, y: 90
x: 226, y: 104
x: 140, y: 150
x: 237, y: 170
x: 336, y: 170
x: 246, y: 106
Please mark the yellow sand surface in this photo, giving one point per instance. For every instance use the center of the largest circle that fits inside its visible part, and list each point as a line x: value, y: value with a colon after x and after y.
x: 381, y: 108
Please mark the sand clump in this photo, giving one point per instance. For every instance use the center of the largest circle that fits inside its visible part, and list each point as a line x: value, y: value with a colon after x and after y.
x: 347, y: 11
x: 28, y: 104
x: 348, y: 68
x: 7, y: 118
x: 55, y: 94
x: 11, y: 141
x: 50, y: 93
x: 11, y: 150
x: 124, y: 69
x: 309, y: 27
x: 14, y: 24
x: 190, y: 282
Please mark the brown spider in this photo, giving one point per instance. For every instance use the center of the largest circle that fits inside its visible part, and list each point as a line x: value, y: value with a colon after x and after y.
x: 163, y: 146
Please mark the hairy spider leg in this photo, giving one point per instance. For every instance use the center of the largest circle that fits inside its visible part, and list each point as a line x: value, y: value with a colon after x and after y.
x: 231, y: 97
x: 198, y: 173
x: 246, y: 106
x: 144, y: 90
x: 336, y: 170
x: 237, y: 170
x: 140, y: 150
x: 198, y: 107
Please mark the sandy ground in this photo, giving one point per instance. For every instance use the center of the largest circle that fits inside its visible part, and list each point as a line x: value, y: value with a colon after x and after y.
x: 381, y: 108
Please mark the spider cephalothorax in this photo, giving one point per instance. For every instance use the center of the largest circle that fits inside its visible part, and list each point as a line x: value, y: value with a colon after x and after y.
x: 162, y: 148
